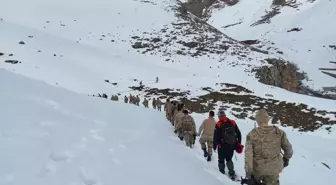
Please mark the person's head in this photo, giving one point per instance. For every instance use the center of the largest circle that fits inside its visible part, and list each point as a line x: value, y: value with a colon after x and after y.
x: 262, y: 117
x: 211, y: 114
x: 168, y: 100
x: 180, y: 106
x: 221, y: 113
x: 185, y: 112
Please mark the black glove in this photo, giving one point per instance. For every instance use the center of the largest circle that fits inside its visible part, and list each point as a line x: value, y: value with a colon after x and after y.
x: 247, y: 181
x: 286, y: 162
x: 175, y: 131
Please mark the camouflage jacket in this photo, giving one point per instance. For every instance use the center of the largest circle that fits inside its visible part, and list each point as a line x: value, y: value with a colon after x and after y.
x: 178, y: 120
x: 188, y: 124
x: 263, y: 151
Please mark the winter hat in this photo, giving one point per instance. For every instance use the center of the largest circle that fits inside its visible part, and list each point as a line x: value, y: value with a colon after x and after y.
x: 262, y: 116
x: 221, y: 113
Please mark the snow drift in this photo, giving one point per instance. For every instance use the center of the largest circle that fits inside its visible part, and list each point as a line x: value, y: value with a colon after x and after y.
x: 53, y: 136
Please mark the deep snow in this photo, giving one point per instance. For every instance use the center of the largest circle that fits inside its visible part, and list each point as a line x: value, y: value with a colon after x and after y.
x: 50, y: 135
x: 54, y: 136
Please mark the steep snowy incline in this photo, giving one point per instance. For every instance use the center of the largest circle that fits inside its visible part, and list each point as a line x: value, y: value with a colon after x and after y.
x: 53, y: 136
x: 300, y: 32
x: 50, y: 135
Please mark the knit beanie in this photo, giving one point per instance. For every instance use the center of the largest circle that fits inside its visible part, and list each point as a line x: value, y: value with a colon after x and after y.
x: 221, y: 113
x: 262, y: 116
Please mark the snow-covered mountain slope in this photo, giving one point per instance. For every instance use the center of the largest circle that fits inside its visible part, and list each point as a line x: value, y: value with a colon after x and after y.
x: 299, y: 31
x: 79, y: 45
x: 53, y: 136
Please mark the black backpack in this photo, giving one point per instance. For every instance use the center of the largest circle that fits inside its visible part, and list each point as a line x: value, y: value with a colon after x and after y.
x: 229, y: 133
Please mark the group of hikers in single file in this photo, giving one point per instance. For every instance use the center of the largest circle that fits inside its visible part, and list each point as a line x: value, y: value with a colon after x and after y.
x: 267, y: 149
x: 264, y: 159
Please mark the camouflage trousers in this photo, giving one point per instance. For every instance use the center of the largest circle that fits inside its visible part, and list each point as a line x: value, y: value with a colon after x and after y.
x: 206, y: 142
x: 268, y: 180
x: 189, y: 138
x: 168, y: 116
x: 159, y: 108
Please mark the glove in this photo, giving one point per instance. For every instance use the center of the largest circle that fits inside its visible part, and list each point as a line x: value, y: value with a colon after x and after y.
x: 175, y: 131
x: 286, y: 162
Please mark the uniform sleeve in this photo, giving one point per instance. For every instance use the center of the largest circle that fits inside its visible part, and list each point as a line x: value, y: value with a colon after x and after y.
x: 286, y: 146
x: 194, y: 126
x: 200, y: 129
x: 248, y: 156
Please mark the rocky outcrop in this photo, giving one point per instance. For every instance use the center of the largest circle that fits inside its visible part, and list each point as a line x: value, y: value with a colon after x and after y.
x: 280, y: 74
x: 12, y: 61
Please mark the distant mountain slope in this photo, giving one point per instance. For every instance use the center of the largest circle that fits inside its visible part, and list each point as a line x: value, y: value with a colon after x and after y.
x: 298, y: 30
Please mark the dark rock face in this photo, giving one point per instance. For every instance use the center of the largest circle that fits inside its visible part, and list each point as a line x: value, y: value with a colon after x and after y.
x: 250, y: 42
x: 280, y: 74
x: 21, y: 42
x: 295, y: 29
x: 12, y: 61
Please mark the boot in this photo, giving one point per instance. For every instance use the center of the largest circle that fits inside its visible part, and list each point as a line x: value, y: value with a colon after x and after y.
x: 181, y: 138
x: 205, y: 152
x: 230, y: 167
x: 221, y: 167
x: 209, y: 158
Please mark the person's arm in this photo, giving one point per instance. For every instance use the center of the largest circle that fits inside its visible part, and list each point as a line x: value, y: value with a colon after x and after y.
x: 286, y: 146
x: 194, y: 126
x: 215, y: 138
x: 238, y: 134
x: 248, y: 156
x: 200, y: 129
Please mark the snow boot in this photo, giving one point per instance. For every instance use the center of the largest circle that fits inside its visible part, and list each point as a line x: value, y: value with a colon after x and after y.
x: 232, y: 173
x: 209, y: 158
x: 205, y: 152
x: 221, y: 167
x: 181, y: 138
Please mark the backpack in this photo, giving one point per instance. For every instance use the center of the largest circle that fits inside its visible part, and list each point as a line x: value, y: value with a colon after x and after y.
x: 229, y: 133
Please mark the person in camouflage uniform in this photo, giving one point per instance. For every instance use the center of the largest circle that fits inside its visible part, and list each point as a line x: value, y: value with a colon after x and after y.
x: 114, y: 98
x: 206, y: 131
x: 173, y: 111
x: 158, y: 104
x: 165, y: 108
x: 178, y: 122
x: 145, y: 103
x: 263, y: 160
x: 188, y: 128
x: 154, y: 103
x: 125, y: 99
x: 137, y: 100
x: 130, y: 99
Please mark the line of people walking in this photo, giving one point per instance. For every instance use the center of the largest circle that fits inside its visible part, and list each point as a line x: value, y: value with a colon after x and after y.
x: 132, y: 99
x: 264, y: 160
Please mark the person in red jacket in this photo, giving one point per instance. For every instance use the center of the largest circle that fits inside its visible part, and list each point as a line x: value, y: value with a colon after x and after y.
x: 227, y: 138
